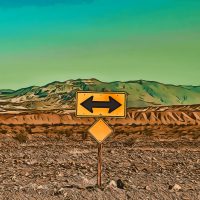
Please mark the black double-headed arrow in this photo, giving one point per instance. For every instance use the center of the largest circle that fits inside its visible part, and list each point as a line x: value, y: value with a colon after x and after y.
x: 112, y: 104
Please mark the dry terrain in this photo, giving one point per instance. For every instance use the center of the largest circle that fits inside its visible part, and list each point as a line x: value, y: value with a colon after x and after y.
x: 60, y: 162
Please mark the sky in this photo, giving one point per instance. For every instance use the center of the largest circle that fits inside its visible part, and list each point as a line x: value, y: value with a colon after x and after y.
x: 42, y: 41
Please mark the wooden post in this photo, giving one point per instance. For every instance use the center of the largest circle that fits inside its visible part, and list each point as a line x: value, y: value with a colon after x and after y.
x: 99, y: 164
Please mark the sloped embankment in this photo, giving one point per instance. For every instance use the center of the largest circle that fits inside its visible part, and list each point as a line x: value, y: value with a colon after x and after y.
x: 175, y: 115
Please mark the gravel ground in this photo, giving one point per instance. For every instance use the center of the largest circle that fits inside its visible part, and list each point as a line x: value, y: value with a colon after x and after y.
x: 65, y: 167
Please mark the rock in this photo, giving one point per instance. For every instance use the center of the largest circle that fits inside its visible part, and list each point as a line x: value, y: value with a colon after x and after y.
x: 120, y: 184
x: 65, y: 194
x: 112, y: 184
x: 15, y: 188
x: 85, y: 183
x: 14, y: 178
x: 147, y: 188
x: 112, y: 151
x: 176, y: 188
x: 61, y: 190
x: 32, y: 162
x: 40, y: 187
x: 57, y: 192
x: 21, y: 155
x: 133, y: 186
x: 21, y: 188
x: 33, y: 186
x: 61, y: 174
x: 50, y: 161
x: 26, y: 174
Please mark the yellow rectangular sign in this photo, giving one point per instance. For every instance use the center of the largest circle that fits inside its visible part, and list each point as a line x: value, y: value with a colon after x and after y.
x: 100, y: 104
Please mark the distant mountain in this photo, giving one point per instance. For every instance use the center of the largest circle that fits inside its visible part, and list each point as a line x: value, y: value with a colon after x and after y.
x: 4, y: 91
x: 61, y: 95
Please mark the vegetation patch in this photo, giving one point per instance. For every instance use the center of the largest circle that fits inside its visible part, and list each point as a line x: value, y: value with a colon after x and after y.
x: 21, y: 137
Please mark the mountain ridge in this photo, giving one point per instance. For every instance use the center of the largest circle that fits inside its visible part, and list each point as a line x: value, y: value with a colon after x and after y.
x: 61, y: 95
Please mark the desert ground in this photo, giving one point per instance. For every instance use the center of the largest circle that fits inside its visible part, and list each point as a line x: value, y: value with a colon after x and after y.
x: 60, y: 162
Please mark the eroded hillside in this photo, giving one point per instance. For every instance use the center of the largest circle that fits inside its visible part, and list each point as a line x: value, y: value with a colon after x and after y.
x: 177, y: 115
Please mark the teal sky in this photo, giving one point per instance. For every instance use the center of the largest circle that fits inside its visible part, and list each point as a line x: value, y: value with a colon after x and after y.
x: 46, y: 40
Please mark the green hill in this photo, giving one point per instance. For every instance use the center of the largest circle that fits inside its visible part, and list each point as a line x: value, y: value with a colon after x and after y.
x: 140, y: 93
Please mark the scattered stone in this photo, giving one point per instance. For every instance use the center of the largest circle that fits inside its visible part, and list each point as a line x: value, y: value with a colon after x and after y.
x: 65, y: 194
x: 112, y: 184
x: 175, y: 188
x: 50, y: 161
x: 132, y: 186
x: 120, y: 184
x: 58, y: 192
x: 61, y: 190
x: 147, y: 188
x: 112, y: 151
x: 33, y: 186
x: 32, y: 162
x: 40, y: 187
x: 78, y: 180
x: 14, y: 178
x: 61, y: 174
x: 26, y: 174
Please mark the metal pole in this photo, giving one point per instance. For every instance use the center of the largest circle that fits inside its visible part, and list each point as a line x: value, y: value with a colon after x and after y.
x: 99, y: 164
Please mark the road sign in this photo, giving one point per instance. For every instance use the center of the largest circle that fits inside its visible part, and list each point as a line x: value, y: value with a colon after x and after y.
x: 101, y: 104
x: 100, y: 130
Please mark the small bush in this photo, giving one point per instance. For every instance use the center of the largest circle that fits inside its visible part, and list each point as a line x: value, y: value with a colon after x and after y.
x: 3, y: 131
x: 129, y: 142
x: 148, y: 133
x: 21, y: 137
x: 67, y: 133
x: 84, y: 135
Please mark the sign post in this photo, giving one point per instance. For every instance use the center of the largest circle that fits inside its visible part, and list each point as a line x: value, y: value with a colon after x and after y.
x: 100, y: 104
x: 100, y: 130
x: 99, y: 164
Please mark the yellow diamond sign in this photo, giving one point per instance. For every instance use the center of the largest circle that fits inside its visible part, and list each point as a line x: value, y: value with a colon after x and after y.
x: 100, y: 130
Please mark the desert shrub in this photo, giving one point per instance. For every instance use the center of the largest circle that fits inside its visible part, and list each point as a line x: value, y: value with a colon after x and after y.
x: 11, y: 125
x: 67, y: 133
x: 129, y: 142
x: 148, y: 133
x: 196, y: 136
x: 171, y: 125
x: 28, y: 130
x: 21, y: 137
x: 3, y: 131
x: 46, y: 132
x: 45, y: 125
x: 84, y: 135
x: 32, y: 126
x: 127, y: 133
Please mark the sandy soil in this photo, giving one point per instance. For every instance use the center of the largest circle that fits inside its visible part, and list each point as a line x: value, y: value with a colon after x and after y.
x: 60, y: 162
